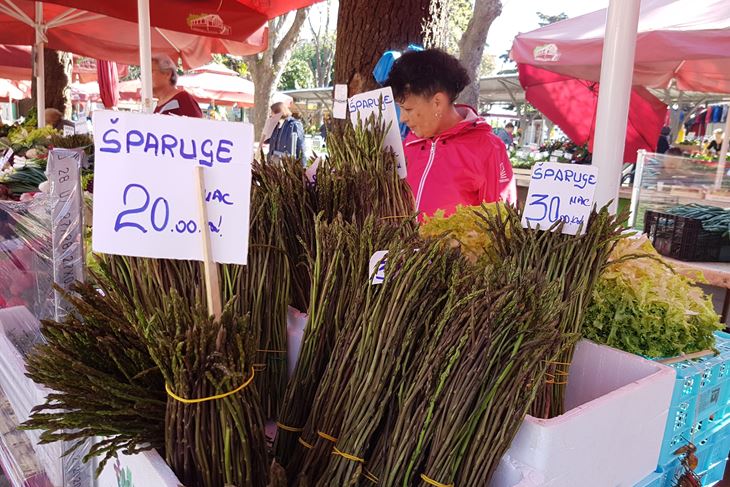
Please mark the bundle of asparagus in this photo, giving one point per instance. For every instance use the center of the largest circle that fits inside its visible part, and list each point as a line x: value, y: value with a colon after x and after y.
x: 360, y: 177
x: 574, y: 263
x: 214, y: 433
x: 106, y: 386
x: 371, y: 356
x: 340, y: 274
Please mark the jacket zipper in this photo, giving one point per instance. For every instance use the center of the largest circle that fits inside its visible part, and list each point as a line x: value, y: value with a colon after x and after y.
x: 425, y: 174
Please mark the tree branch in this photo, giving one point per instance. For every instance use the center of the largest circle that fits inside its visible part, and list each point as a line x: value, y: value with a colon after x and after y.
x: 284, y: 47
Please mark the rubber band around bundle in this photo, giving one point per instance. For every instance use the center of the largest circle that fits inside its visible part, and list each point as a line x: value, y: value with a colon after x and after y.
x: 347, y: 456
x: 259, y: 367
x: 291, y: 429
x: 211, y: 398
x: 304, y: 443
x: 325, y: 436
x: 556, y: 383
x: 431, y: 481
x: 270, y: 351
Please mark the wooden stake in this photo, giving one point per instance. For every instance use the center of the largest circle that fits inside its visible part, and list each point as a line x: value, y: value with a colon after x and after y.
x: 689, y: 356
x: 212, y: 285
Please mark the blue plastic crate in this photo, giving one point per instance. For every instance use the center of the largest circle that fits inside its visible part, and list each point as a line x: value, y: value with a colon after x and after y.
x: 700, y: 397
x: 713, y: 446
x: 714, y: 474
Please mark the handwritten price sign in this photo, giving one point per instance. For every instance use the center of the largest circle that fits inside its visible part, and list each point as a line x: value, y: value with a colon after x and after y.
x: 145, y: 200
x: 560, y: 192
x: 365, y: 104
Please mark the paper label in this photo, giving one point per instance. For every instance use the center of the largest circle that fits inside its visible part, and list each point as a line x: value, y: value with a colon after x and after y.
x: 560, y: 192
x: 146, y: 191
x: 377, y: 267
x: 365, y: 104
x: 339, y: 109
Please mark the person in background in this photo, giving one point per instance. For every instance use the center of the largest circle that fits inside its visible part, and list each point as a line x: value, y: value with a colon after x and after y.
x: 506, y: 134
x: 452, y: 156
x: 170, y: 99
x: 281, y: 142
x: 714, y: 146
x: 55, y: 119
x: 662, y: 145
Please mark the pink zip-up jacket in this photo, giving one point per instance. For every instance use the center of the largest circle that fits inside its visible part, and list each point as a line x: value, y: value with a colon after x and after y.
x: 466, y: 165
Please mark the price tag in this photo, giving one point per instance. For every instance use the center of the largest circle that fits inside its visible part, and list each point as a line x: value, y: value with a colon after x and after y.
x: 553, y: 158
x: 6, y: 156
x: 68, y: 131
x: 377, y: 267
x: 558, y: 153
x: 145, y: 201
x: 560, y: 192
x: 339, y: 107
x: 365, y: 104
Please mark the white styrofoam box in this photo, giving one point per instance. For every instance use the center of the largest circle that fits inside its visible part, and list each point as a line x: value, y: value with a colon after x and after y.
x: 617, y: 405
x: 513, y: 473
x: 145, y: 469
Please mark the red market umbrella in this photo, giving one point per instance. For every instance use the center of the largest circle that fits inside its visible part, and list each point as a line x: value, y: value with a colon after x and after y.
x: 226, y: 19
x: 102, y: 37
x: 685, y: 41
x: 15, y: 62
x: 108, y: 83
x: 571, y: 104
x: 12, y: 90
x: 85, y: 70
x: 216, y: 83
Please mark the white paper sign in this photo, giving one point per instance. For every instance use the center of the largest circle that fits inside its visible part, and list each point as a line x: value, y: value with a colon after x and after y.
x: 364, y: 104
x: 553, y: 158
x: 560, y: 192
x: 6, y: 156
x: 377, y: 267
x: 64, y: 174
x: 558, y: 153
x: 68, y: 131
x: 145, y: 200
x: 339, y: 107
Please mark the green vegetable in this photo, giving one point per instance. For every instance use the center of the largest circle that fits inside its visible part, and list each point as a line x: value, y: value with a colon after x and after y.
x: 642, y: 306
x: 714, y: 219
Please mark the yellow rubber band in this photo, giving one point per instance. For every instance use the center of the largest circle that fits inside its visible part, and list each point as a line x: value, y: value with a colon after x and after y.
x: 291, y: 429
x: 327, y: 437
x: 304, y: 443
x: 556, y: 383
x: 433, y: 482
x: 259, y: 367
x: 271, y: 351
x: 347, y: 456
x: 211, y: 398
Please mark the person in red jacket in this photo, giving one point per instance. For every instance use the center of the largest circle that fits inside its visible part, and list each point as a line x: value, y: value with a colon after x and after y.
x: 170, y: 99
x: 452, y: 155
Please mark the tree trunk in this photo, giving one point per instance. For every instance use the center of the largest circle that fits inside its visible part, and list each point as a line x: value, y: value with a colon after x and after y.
x: 472, y: 43
x: 263, y: 80
x: 266, y: 68
x: 368, y: 28
x: 56, y: 81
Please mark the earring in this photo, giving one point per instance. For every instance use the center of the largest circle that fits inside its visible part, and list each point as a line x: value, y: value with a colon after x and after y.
x: 437, y: 114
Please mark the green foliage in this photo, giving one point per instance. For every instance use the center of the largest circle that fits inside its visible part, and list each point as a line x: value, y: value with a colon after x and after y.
x: 642, y: 306
x: 546, y: 19
x: 235, y: 63
x: 296, y: 75
x: 319, y: 56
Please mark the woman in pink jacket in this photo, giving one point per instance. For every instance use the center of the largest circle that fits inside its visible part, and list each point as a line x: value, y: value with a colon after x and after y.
x: 452, y: 155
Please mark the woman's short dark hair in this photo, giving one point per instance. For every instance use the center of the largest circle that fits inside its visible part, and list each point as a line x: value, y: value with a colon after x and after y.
x: 425, y: 73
